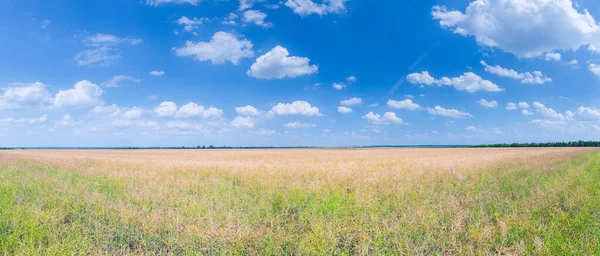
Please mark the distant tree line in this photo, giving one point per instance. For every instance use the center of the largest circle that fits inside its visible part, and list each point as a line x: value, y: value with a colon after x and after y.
x: 580, y: 143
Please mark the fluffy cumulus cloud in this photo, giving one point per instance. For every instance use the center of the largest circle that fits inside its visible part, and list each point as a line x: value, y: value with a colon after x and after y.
x: 511, y: 106
x: 338, y: 86
x: 223, y: 47
x: 548, y: 112
x: 117, y: 117
x: 166, y: 109
x: 116, y: 80
x: 488, y: 104
x: 295, y: 108
x: 406, y: 104
x: 351, y: 102
x: 454, y: 113
x: 247, y: 111
x: 192, y: 110
x: 595, y: 68
x: 298, y: 125
x: 344, y: 110
x: 387, y: 118
x: 526, y: 29
x: 257, y: 18
x: 84, y: 93
x: 469, y: 82
x: 351, y: 79
x: 590, y: 113
x: 277, y: 64
x: 552, y: 56
x: 247, y: 4
x: 526, y: 112
x: 24, y: 96
x: 309, y: 7
x: 133, y: 113
x: 161, y: 2
x: 244, y: 122
x: 535, y: 77
x: 102, y: 49
x: 112, y: 110
x: 523, y: 105
x: 190, y: 24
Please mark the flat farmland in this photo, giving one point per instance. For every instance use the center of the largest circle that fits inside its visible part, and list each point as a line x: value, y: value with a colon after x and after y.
x: 301, y: 201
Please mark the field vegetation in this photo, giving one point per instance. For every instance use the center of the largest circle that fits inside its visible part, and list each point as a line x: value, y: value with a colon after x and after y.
x: 301, y: 202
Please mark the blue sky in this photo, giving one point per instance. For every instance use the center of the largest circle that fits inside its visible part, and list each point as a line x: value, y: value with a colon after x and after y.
x: 298, y: 72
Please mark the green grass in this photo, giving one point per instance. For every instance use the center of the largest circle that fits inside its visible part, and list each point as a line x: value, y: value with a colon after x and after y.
x: 545, y: 209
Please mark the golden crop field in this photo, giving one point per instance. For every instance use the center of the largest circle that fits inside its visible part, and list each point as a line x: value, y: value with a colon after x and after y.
x: 543, y: 201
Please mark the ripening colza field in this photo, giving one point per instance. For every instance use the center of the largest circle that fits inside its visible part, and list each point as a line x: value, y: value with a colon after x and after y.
x: 522, y: 201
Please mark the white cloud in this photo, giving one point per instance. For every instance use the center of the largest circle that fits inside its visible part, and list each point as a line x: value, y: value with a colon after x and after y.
x: 308, y: 7
x: 526, y: 29
x: 586, y: 112
x: 102, y: 49
x: 256, y: 17
x: 26, y: 95
x: 595, y: 68
x: 247, y: 4
x: 114, y: 82
x: 297, y: 125
x: 84, y: 93
x: 222, y: 47
x: 387, y: 118
x: 295, y: 108
x: 344, y: 110
x: 103, y: 56
x: 351, y: 79
x: 352, y: 101
x: 190, y: 24
x: 547, y: 112
x: 243, y: 122
x: 37, y: 120
x: 523, y: 104
x: 166, y: 109
x: 277, y: 64
x: 230, y: 19
x: 133, y: 113
x: 407, y: 104
x: 469, y: 82
x: 535, y: 77
x: 439, y: 111
x: 214, y: 113
x: 573, y: 63
x: 421, y: 78
x: 526, y: 112
x: 552, y: 56
x: 157, y: 73
x: 488, y: 104
x: 247, y: 111
x: 190, y: 110
x: 511, y: 106
x: 160, y: 2
x: 112, y: 110
x: 99, y: 39
x: 338, y: 86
